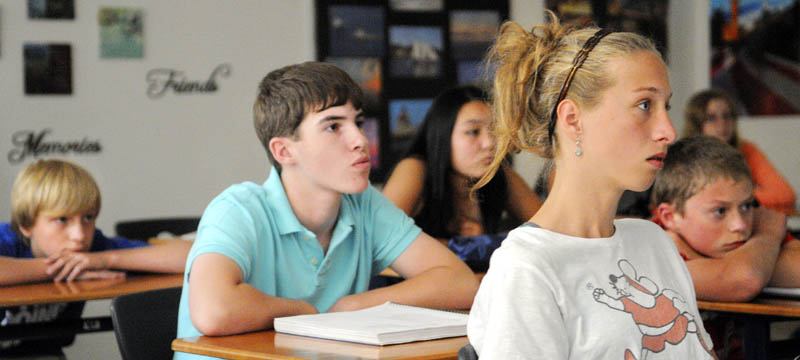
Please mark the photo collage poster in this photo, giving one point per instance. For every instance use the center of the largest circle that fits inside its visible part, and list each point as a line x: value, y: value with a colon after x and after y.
x: 403, y: 53
x: 755, y: 54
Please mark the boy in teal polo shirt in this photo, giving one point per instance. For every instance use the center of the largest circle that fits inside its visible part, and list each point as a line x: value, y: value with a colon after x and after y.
x: 310, y: 238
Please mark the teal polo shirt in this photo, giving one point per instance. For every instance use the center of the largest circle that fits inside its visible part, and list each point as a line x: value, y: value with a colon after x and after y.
x: 256, y: 227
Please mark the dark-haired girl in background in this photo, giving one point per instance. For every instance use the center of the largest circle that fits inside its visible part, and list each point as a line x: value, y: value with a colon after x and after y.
x: 450, y: 153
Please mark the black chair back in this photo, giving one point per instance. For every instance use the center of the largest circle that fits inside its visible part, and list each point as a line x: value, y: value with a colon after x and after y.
x: 467, y: 352
x: 145, y: 229
x: 145, y: 323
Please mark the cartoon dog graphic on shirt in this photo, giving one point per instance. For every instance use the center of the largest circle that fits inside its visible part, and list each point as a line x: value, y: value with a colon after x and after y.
x: 660, y: 316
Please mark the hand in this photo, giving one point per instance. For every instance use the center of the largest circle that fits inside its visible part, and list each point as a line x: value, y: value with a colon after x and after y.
x: 597, y: 293
x: 101, y: 275
x: 69, y: 265
x: 74, y: 287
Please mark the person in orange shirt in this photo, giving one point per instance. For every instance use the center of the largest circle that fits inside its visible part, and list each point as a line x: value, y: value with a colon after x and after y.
x: 713, y: 112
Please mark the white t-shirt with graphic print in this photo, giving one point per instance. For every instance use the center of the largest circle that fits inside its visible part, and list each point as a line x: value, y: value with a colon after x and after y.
x: 552, y: 296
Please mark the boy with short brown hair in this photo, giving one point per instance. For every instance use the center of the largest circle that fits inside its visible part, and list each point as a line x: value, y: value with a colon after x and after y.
x: 312, y: 236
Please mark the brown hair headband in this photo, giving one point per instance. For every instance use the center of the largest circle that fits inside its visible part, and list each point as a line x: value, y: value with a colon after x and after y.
x: 580, y: 57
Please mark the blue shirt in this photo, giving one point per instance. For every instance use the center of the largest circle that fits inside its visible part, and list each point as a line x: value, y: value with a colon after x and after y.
x: 12, y: 246
x: 255, y: 227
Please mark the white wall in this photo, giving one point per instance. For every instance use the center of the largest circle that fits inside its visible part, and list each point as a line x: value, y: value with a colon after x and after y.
x: 160, y: 157
x: 170, y: 156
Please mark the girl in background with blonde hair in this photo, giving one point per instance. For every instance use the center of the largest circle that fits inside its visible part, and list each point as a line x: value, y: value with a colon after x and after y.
x: 573, y: 282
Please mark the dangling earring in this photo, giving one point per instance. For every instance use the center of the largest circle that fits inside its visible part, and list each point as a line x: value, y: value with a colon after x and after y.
x: 578, y: 151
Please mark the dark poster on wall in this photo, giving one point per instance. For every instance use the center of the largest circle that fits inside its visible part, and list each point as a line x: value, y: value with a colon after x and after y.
x: 51, y: 9
x: 755, y: 54
x: 48, y: 69
x: 403, y: 53
x: 646, y: 17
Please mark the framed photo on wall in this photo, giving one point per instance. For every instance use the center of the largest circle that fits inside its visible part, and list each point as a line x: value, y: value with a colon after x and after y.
x: 51, y: 9
x: 403, y: 53
x: 755, y: 55
x: 48, y: 69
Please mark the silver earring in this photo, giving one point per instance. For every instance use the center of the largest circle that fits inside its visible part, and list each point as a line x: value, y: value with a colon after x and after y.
x: 578, y: 151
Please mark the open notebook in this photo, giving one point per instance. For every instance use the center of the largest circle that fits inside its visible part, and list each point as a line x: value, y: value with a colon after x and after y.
x: 385, y: 324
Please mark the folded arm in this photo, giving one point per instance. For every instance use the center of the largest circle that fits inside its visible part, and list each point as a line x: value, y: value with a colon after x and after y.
x: 741, y: 273
x: 25, y: 270
x: 787, y: 270
x: 435, y: 278
x: 221, y: 303
x: 167, y: 257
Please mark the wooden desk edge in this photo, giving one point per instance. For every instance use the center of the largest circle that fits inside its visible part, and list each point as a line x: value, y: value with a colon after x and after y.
x: 137, y: 283
x: 759, y: 306
x: 266, y: 347
x: 190, y: 345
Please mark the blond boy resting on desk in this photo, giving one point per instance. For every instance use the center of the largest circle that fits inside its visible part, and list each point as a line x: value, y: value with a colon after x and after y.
x: 52, y: 236
x: 703, y: 197
x: 312, y: 236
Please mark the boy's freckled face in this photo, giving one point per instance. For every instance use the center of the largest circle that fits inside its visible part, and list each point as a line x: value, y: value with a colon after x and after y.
x: 719, y: 218
x: 53, y: 233
x: 332, y: 149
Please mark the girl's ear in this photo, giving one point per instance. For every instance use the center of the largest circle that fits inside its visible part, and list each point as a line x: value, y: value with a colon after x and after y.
x: 568, y: 114
x: 280, y: 147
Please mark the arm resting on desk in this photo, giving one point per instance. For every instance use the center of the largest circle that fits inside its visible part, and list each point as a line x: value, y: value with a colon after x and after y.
x: 436, y: 278
x: 25, y: 270
x: 221, y: 303
x: 787, y: 270
x: 168, y: 257
x: 741, y: 273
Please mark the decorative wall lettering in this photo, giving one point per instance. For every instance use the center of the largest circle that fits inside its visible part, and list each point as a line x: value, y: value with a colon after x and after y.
x: 29, y: 143
x: 161, y: 80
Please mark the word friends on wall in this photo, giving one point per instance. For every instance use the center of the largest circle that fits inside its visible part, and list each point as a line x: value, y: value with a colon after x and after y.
x: 161, y: 80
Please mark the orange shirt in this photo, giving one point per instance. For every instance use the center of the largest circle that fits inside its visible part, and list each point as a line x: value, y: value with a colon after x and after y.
x: 771, y: 189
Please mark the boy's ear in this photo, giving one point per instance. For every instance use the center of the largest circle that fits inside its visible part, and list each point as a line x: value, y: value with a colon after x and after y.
x: 25, y: 231
x: 568, y: 110
x: 280, y: 147
x: 668, y: 215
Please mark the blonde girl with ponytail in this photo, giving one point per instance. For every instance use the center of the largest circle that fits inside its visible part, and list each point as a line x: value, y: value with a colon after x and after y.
x: 573, y: 282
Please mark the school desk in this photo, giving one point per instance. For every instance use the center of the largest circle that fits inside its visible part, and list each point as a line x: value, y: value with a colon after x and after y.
x: 272, y: 345
x: 757, y: 316
x: 56, y: 292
